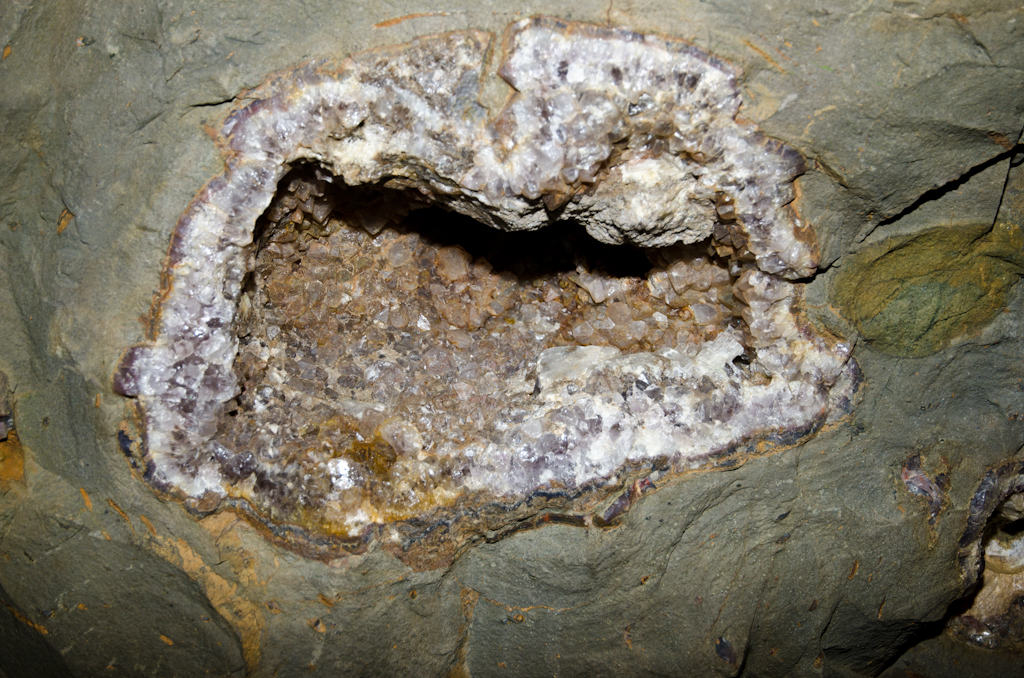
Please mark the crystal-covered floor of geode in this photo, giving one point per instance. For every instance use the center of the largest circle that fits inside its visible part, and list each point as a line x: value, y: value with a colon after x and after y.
x: 380, y: 375
x: 386, y: 370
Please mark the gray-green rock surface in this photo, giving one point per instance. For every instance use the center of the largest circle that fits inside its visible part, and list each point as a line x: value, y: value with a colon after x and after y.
x: 814, y: 560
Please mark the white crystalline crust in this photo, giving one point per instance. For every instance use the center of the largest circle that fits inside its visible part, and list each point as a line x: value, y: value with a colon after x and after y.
x: 634, y: 136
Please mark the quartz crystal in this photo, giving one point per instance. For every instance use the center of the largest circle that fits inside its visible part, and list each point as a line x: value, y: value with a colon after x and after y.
x: 362, y: 326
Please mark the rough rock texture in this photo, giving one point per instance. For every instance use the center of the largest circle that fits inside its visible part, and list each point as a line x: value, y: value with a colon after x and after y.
x: 830, y: 558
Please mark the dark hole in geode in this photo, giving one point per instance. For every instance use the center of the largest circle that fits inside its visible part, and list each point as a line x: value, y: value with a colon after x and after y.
x: 380, y: 332
x: 1014, y: 528
x: 1007, y: 522
x: 529, y: 255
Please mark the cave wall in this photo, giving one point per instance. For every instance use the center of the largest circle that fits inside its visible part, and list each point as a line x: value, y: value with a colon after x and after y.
x: 814, y: 560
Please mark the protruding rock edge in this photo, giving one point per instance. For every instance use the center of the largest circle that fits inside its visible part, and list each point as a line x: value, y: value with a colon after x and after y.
x: 996, y: 485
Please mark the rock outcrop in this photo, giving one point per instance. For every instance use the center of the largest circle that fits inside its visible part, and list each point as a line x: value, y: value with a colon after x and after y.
x: 808, y: 459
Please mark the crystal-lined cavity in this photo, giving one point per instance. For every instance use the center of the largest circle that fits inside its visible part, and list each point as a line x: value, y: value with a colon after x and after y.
x: 374, y: 357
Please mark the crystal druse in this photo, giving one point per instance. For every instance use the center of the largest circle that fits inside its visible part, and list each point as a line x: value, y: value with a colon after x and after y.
x: 318, y: 362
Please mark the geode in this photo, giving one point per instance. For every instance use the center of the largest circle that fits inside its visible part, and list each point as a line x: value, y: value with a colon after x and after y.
x: 338, y: 353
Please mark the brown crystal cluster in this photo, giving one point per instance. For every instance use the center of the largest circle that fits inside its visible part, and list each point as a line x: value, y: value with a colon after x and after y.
x: 371, y: 347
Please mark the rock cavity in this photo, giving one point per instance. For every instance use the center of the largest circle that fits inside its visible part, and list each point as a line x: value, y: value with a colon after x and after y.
x: 367, y: 363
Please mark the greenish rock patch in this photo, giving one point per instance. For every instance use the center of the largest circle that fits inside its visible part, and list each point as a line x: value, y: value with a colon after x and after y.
x: 912, y: 295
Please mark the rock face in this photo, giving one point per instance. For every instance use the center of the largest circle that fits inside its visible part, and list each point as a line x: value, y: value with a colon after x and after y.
x: 370, y: 435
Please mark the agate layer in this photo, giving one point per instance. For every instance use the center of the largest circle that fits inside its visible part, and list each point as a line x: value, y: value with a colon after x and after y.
x: 351, y: 340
